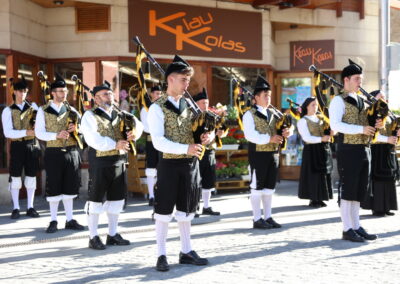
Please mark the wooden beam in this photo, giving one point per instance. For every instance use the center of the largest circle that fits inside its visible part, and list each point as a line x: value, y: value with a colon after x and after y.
x: 361, y: 9
x: 339, y: 9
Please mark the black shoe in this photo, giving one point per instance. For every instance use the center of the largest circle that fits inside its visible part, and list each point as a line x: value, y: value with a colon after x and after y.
x: 323, y: 204
x: 96, y: 243
x: 360, y: 231
x: 151, y: 201
x: 273, y: 223
x: 162, y: 264
x: 74, y: 225
x: 31, y: 212
x: 352, y: 236
x: 52, y: 228
x: 196, y: 215
x: 192, y: 258
x: 378, y: 214
x: 209, y: 211
x: 15, y: 214
x: 389, y: 213
x: 314, y: 204
x: 261, y: 224
x: 117, y: 240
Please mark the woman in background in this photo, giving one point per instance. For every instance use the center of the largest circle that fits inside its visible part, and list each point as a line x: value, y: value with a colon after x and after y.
x: 315, y: 176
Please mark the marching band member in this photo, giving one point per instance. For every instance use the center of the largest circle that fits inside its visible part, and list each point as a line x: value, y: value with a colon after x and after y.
x: 260, y: 130
x: 61, y: 157
x: 315, y: 176
x: 101, y: 129
x: 17, y: 122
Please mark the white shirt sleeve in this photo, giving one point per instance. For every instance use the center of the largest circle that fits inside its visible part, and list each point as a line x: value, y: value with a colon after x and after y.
x: 8, y: 128
x: 336, y: 112
x: 305, y: 132
x: 155, y: 119
x: 139, y: 128
x: 40, y: 128
x: 250, y: 132
x: 92, y: 137
x: 382, y: 138
x: 143, y: 119
x: 35, y: 106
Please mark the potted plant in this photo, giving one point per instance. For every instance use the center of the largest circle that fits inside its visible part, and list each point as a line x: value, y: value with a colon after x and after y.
x: 229, y: 143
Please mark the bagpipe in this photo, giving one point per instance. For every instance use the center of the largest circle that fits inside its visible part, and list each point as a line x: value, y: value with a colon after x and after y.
x: 81, y: 94
x: 206, y: 121
x: 44, y: 87
x: 293, y: 109
x: 283, y: 120
x: 241, y: 101
x: 73, y: 118
x: 127, y: 124
x: 377, y: 108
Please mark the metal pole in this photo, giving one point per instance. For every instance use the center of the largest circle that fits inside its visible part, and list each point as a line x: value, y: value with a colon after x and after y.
x: 384, y: 32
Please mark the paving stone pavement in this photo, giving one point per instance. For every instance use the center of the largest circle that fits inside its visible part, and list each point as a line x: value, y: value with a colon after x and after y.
x: 307, y: 249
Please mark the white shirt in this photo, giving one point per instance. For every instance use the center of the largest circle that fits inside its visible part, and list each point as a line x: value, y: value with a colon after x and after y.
x: 8, y: 128
x: 305, y: 132
x: 95, y: 140
x: 155, y: 119
x: 143, y: 119
x: 250, y: 132
x: 40, y: 126
x: 336, y: 112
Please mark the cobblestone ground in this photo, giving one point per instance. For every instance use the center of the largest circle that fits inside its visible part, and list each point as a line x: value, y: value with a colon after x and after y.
x: 308, y: 249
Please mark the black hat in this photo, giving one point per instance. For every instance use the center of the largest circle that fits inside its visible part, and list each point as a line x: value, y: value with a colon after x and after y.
x: 59, y: 82
x: 105, y: 86
x: 201, y: 96
x: 305, y: 105
x: 261, y: 85
x: 178, y: 64
x: 351, y: 69
x: 155, y: 88
x: 21, y: 84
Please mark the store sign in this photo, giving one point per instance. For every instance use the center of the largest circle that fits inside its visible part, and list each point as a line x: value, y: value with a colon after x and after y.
x: 166, y: 28
x: 320, y: 53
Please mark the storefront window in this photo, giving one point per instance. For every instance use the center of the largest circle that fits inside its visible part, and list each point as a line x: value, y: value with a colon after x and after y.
x: 222, y: 86
x: 3, y: 92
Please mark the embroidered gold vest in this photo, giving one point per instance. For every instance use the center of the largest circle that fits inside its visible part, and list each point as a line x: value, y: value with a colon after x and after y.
x: 21, y: 119
x: 56, y: 123
x: 177, y: 128
x: 265, y: 127
x: 353, y: 116
x: 315, y: 128
x: 108, y: 128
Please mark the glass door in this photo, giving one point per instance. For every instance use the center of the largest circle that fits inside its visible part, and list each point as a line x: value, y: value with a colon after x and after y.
x: 297, y: 87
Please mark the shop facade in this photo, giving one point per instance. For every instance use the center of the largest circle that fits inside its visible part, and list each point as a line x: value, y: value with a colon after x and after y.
x: 221, y: 39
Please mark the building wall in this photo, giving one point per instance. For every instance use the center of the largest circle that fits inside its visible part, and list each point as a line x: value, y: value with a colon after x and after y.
x: 354, y: 38
x: 27, y: 27
x: 51, y: 33
x: 5, y: 24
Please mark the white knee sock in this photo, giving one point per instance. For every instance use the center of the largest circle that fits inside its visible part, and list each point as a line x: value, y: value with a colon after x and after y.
x: 355, y: 214
x: 267, y: 205
x: 184, y: 229
x: 161, y: 237
x: 15, y: 198
x: 151, y: 181
x: 206, y: 195
x: 30, y: 196
x: 112, y: 224
x: 255, y: 200
x: 345, y: 214
x: 93, y: 222
x: 68, y: 205
x: 53, y: 209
